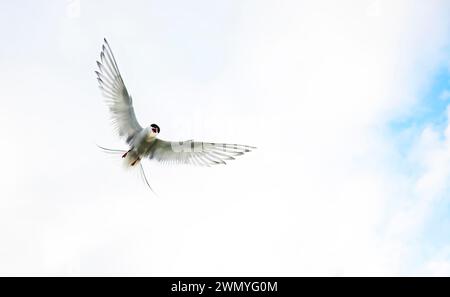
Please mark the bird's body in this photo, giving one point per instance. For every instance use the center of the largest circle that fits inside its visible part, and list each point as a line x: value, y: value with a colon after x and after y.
x: 140, y: 147
x: 144, y: 142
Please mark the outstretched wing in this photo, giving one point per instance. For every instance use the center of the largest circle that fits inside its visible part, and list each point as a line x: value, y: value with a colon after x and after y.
x: 119, y: 101
x: 195, y: 153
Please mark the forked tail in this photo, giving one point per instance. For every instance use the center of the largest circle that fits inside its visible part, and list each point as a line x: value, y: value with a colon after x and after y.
x: 129, y: 162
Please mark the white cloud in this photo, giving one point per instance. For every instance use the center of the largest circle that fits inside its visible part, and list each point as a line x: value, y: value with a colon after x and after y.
x: 439, y: 265
x: 428, y: 173
x: 311, y: 83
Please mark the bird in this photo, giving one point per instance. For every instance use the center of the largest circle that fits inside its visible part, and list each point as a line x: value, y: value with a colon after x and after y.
x: 143, y: 142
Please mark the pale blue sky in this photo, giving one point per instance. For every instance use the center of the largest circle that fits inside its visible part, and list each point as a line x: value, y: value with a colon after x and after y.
x: 430, y: 110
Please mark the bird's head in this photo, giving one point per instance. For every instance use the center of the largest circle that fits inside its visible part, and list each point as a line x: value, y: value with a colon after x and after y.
x: 153, y: 130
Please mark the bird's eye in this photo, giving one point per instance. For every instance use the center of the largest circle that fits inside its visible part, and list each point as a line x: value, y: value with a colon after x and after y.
x: 154, y: 130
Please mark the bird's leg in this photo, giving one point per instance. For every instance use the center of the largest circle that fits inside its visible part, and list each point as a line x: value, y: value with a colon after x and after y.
x: 134, y: 162
x: 124, y: 155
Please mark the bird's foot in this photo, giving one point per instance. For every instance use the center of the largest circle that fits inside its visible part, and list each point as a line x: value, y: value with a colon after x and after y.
x: 125, y: 155
x: 134, y: 162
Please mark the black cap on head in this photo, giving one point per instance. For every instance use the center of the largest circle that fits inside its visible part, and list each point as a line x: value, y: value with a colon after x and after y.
x: 155, y: 126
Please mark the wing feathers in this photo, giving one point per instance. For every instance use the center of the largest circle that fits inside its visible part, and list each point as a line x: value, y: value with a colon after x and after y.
x: 119, y: 101
x: 196, y: 153
x: 110, y: 51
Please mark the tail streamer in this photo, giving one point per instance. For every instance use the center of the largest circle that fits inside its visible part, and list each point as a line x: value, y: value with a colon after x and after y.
x: 141, y: 168
x: 144, y: 177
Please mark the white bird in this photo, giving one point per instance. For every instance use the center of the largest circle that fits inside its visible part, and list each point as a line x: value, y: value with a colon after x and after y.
x: 144, y: 142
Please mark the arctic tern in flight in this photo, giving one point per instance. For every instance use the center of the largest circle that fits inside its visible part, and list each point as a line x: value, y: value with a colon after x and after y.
x: 144, y: 142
